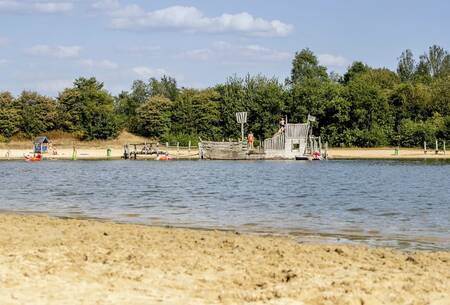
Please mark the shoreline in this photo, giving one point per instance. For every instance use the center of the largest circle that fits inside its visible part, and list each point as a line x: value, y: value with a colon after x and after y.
x: 100, y: 153
x: 49, y: 260
x: 301, y: 235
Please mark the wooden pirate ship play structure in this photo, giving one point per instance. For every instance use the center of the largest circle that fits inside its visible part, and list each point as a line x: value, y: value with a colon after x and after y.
x: 290, y: 142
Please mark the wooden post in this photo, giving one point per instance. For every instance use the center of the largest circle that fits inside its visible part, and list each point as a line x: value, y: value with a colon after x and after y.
x: 178, y: 146
x: 425, y: 147
x: 326, y: 150
x: 444, y: 148
x: 189, y: 146
x: 437, y: 148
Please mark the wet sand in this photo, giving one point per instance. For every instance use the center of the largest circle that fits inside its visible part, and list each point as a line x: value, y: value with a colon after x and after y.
x: 47, y: 260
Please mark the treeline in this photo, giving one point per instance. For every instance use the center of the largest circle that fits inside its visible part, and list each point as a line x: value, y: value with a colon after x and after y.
x: 365, y: 107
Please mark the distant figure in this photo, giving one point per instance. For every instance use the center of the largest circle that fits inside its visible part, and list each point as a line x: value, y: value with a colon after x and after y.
x: 250, y: 140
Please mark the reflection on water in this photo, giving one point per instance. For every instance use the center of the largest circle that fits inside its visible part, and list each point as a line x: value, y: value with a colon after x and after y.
x: 400, y: 204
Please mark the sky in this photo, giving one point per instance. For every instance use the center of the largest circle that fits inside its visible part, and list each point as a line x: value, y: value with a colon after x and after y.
x: 45, y: 45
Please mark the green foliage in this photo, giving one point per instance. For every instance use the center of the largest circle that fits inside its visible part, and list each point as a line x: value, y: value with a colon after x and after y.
x: 39, y: 113
x: 354, y: 70
x: 182, y: 139
x: 196, y: 114
x: 10, y: 118
x: 365, y: 107
x: 153, y: 117
x: 88, y: 110
x: 166, y: 87
x: 438, y: 61
x: 406, y: 66
x: 263, y: 99
x: 306, y: 66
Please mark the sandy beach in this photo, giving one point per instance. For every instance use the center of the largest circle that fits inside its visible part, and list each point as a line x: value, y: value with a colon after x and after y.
x: 100, y: 153
x: 386, y: 153
x: 97, y: 150
x: 48, y: 261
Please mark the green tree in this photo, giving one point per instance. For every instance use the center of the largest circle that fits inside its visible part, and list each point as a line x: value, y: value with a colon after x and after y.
x: 305, y: 65
x: 153, y: 117
x: 440, y: 96
x: 87, y: 110
x: 410, y: 101
x: 39, y: 113
x: 406, y: 66
x: 414, y: 133
x: 232, y: 100
x: 196, y: 113
x: 371, y: 114
x: 265, y: 98
x: 166, y: 86
x: 438, y: 60
x: 354, y: 70
x: 10, y: 118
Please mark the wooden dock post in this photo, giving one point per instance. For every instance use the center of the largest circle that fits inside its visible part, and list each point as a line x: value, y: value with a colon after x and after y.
x: 444, y: 148
x: 178, y: 147
x: 425, y: 147
x: 436, y: 151
x: 326, y: 150
x: 189, y: 146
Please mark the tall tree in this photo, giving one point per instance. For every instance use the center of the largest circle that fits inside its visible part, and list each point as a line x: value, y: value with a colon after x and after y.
x: 406, y: 66
x: 438, y: 60
x: 87, y: 109
x: 305, y: 65
x: 166, y: 87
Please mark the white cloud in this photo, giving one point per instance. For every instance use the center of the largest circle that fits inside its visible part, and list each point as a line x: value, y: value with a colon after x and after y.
x: 38, y: 6
x: 53, y: 7
x: 106, y: 5
x: 223, y: 51
x: 145, y: 72
x: 102, y: 64
x: 9, y: 5
x: 191, y: 19
x: 55, y: 51
x: 330, y: 60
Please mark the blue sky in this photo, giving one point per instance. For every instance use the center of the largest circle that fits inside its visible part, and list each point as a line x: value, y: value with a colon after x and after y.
x: 46, y: 44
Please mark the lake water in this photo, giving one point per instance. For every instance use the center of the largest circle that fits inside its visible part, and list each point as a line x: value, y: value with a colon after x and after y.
x: 385, y: 203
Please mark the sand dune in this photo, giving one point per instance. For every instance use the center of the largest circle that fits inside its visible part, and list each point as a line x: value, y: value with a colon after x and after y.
x: 59, y: 261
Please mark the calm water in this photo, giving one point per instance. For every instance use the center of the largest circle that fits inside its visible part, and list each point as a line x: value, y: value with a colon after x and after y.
x: 389, y: 203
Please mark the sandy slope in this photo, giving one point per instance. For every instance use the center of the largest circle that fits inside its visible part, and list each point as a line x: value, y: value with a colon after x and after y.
x: 55, y: 261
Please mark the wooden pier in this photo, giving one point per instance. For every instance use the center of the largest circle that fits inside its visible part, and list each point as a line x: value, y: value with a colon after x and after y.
x: 132, y: 151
